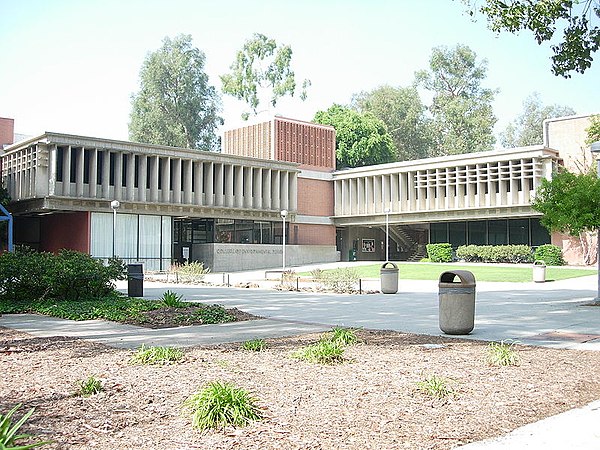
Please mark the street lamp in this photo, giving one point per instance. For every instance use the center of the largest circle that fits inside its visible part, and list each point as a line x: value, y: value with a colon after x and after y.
x: 283, y: 216
x: 596, y: 150
x: 387, y: 234
x: 114, y: 205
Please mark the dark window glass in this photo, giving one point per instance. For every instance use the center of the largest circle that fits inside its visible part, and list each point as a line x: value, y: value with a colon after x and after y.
x: 457, y: 233
x: 539, y: 234
x: 438, y: 233
x: 60, y: 154
x: 497, y: 232
x: 477, y: 233
x: 518, y: 231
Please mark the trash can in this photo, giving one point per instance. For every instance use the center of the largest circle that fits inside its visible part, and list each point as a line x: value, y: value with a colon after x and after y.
x: 389, y: 278
x: 135, y: 280
x: 352, y: 254
x: 539, y: 271
x: 457, y: 302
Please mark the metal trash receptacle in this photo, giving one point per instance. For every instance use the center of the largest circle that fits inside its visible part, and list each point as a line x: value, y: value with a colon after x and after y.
x: 135, y: 280
x: 539, y: 271
x: 389, y: 278
x: 457, y: 302
x: 352, y: 254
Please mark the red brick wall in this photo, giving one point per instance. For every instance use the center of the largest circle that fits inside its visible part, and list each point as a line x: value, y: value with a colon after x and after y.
x: 253, y: 140
x: 70, y: 230
x: 306, y: 234
x: 315, y: 197
x: 311, y: 145
x: 7, y: 131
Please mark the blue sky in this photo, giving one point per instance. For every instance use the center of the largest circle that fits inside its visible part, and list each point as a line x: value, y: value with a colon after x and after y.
x: 71, y: 66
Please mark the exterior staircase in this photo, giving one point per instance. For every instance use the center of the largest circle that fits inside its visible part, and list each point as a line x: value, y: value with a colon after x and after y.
x: 411, y: 249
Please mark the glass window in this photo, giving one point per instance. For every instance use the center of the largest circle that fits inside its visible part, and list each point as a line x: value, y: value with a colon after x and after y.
x: 457, y: 233
x: 477, y: 233
x: 243, y: 231
x: 263, y: 233
x: 438, y: 233
x: 539, y: 234
x: 518, y: 231
x: 224, y: 230
x: 497, y: 232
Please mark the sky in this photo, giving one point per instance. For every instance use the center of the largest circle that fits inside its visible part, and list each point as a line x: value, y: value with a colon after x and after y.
x: 71, y: 66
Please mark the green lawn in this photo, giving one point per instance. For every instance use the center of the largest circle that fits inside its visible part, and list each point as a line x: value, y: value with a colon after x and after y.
x: 482, y: 272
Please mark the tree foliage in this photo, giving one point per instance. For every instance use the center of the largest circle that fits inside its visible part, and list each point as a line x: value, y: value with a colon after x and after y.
x: 577, y: 19
x: 361, y: 138
x: 593, y: 131
x: 527, y: 128
x: 461, y: 109
x: 262, y: 69
x: 404, y: 115
x: 175, y: 105
x: 570, y: 202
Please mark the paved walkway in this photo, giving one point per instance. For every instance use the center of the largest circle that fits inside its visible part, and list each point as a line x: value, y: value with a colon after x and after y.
x: 552, y: 314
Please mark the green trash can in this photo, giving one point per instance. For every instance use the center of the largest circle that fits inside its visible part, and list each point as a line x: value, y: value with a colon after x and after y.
x: 457, y: 302
x: 389, y: 278
x: 352, y: 254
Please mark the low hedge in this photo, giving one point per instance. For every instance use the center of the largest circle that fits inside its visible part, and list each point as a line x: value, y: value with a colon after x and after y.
x: 495, y: 253
x: 439, y: 252
x: 550, y: 254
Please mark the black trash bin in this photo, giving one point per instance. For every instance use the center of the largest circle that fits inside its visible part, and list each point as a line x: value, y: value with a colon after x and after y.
x: 457, y: 302
x: 135, y: 280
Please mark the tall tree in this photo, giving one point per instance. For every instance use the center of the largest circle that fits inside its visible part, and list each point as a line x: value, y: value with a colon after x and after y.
x: 262, y: 73
x: 175, y: 105
x: 527, y: 128
x: 361, y: 138
x: 461, y: 108
x: 404, y: 115
x: 577, y: 19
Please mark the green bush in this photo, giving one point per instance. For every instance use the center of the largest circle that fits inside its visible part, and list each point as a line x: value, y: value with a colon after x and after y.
x: 341, y: 280
x: 439, y: 252
x: 495, y: 253
x: 550, y: 254
x: 27, y: 275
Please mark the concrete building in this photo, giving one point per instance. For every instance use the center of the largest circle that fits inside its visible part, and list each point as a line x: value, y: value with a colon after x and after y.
x: 224, y: 209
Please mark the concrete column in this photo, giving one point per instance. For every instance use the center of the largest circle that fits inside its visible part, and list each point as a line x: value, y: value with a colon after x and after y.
x: 106, y: 175
x: 266, y: 189
x: 93, y: 174
x: 293, y: 191
x: 525, y: 192
x: 470, y: 188
x: 248, y: 183
x: 209, y: 179
x: 361, y: 206
x: 78, y: 155
x: 411, y: 192
x: 198, y: 183
x: 275, y: 190
x: 118, y: 176
x: 187, y: 181
x: 285, y: 191
x: 378, y: 191
x: 176, y: 180
x: 219, y: 188
x: 66, y: 171
x: 130, y: 177
x: 353, y: 195
x: 257, y: 180
x: 52, y: 168
x: 238, y: 188
x: 154, y: 164
x: 142, y: 178
x: 229, y: 201
x: 395, y: 192
x: 514, y: 183
x: 166, y: 179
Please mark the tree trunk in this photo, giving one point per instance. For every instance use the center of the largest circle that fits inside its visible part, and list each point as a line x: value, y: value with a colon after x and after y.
x: 589, y: 246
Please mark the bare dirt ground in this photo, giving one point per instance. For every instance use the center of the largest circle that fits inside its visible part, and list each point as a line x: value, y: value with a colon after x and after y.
x: 369, y: 402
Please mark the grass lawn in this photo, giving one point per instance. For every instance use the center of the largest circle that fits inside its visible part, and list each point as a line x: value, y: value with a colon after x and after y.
x: 483, y: 272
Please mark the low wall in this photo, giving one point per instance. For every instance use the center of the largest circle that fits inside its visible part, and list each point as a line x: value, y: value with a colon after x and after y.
x: 238, y: 257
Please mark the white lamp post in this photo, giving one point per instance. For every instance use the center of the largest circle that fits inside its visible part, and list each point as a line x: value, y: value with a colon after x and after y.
x: 114, y: 205
x: 596, y: 150
x: 283, y: 216
x: 387, y: 234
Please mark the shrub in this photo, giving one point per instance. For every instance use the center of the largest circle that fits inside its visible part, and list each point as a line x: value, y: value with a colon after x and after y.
x: 8, y: 431
x: 218, y: 405
x: 89, y: 387
x: 323, y: 352
x: 156, y: 355
x: 254, y: 345
x: 210, y: 314
x: 435, y: 386
x: 550, y: 254
x: 502, y: 354
x: 190, y: 272
x: 495, y: 253
x: 439, y: 252
x: 340, y: 280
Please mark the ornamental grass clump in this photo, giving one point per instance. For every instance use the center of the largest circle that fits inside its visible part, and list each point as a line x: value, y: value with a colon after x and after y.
x: 435, y: 386
x: 156, y: 355
x: 323, y: 352
x: 502, y: 354
x: 342, y: 336
x: 254, y: 345
x: 8, y: 431
x: 172, y: 299
x: 219, y: 405
x: 89, y: 386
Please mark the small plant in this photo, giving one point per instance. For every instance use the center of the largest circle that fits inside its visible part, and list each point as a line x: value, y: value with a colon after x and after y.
x: 8, y: 431
x: 218, y: 405
x: 502, y: 354
x: 172, y: 299
x: 190, y: 272
x: 89, y: 387
x: 435, y: 386
x: 342, y: 336
x: 317, y: 274
x: 156, y: 355
x: 340, y: 280
x: 254, y: 345
x: 323, y: 352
